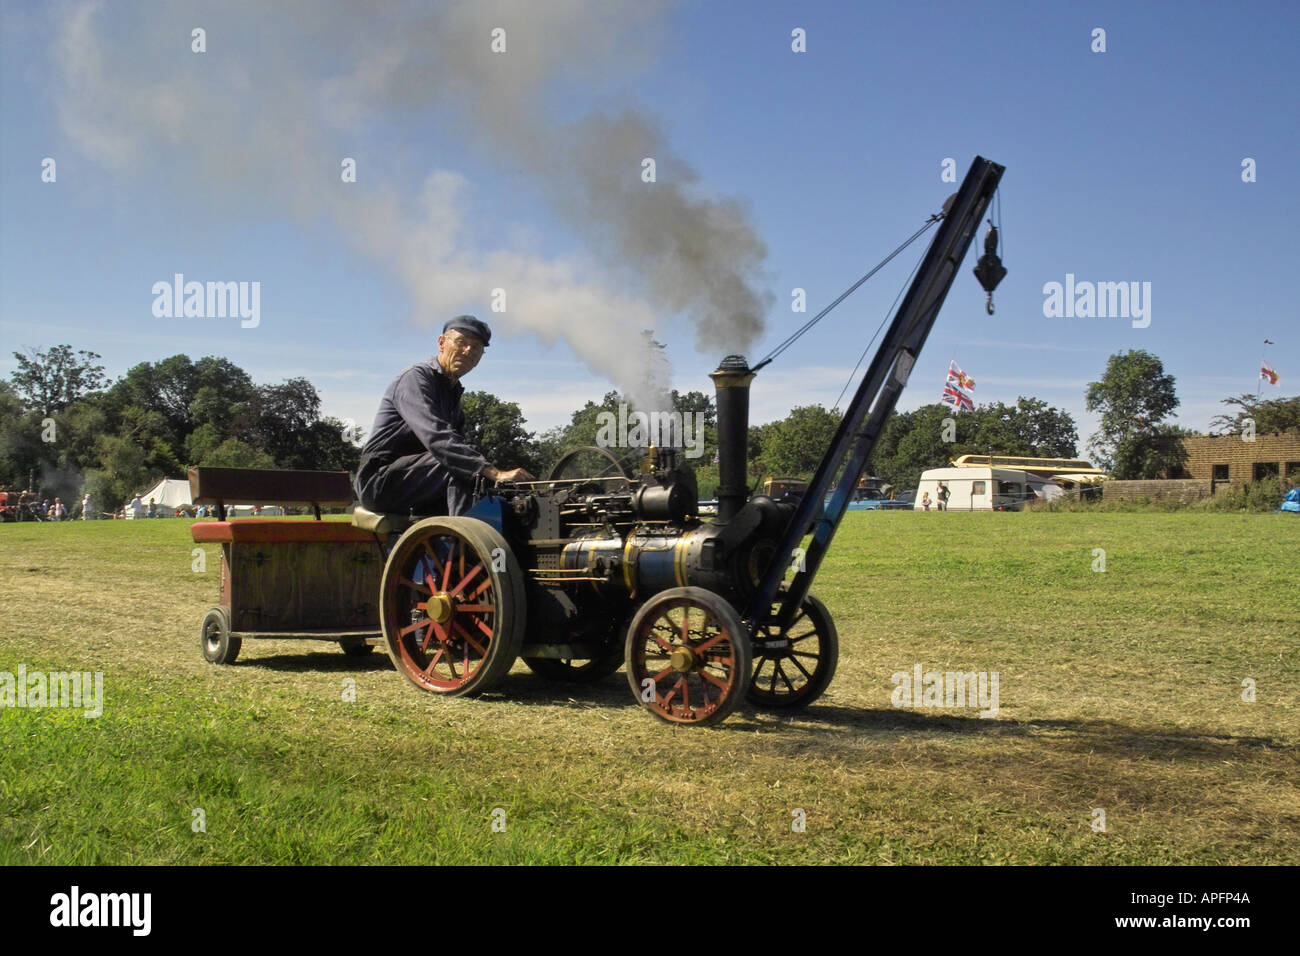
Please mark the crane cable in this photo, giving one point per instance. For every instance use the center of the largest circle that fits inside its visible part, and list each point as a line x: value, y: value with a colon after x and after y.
x: 845, y: 294
x: 888, y: 313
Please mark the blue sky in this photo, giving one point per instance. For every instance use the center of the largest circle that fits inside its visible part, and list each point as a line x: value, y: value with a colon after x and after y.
x: 1123, y: 165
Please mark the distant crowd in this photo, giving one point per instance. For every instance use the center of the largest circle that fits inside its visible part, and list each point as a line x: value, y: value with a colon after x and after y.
x: 20, y: 506
x: 23, y: 506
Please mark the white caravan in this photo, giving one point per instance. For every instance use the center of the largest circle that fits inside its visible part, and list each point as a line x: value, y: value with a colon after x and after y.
x: 976, y: 489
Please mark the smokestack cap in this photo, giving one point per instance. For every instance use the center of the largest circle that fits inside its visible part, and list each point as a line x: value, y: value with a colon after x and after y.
x: 732, y: 372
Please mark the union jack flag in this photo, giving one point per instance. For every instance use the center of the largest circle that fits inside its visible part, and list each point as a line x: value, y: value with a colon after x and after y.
x: 957, y: 386
x: 960, y: 400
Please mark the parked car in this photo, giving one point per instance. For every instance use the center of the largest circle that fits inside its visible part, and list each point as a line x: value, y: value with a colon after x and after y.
x: 870, y: 498
x: 789, y: 490
x: 905, y: 501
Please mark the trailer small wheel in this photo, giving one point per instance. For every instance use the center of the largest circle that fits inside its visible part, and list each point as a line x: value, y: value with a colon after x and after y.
x: 214, y: 637
x: 688, y: 657
x: 356, y: 648
x: 452, y: 606
x: 794, y: 666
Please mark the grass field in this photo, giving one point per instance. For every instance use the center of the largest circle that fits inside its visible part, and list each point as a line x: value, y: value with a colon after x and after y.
x: 1119, y: 691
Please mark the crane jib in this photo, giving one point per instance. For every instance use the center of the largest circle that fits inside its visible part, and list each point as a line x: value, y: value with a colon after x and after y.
x: 874, y: 401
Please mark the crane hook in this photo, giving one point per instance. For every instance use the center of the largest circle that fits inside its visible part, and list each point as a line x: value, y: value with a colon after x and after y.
x: 989, y: 270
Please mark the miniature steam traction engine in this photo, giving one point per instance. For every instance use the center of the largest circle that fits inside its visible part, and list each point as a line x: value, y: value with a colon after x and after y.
x: 591, y: 568
x: 581, y: 574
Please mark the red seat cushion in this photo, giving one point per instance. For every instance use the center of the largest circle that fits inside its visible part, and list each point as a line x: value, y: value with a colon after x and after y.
x: 269, y: 531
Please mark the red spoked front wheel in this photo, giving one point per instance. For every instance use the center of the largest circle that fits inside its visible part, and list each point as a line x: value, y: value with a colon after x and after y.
x: 452, y: 606
x: 688, y: 657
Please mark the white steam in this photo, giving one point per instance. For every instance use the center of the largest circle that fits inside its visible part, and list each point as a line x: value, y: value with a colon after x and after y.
x: 286, y: 90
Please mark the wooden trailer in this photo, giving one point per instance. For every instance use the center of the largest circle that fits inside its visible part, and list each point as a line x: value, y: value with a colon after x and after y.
x: 285, y: 578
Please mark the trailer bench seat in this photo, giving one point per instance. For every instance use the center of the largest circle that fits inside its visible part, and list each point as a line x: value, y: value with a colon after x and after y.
x: 273, y: 531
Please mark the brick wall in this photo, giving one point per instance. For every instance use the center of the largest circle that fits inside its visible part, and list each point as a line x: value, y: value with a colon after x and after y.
x: 1183, y: 489
x: 1281, y: 449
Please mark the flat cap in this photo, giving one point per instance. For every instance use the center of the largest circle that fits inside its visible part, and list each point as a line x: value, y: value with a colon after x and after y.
x: 467, y: 323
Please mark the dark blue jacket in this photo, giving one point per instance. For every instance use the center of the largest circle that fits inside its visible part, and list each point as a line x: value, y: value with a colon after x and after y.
x: 421, y: 412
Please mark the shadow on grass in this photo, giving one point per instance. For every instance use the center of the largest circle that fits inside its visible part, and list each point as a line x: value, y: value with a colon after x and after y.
x: 826, y: 723
x: 330, y: 661
x: 833, y: 724
x: 1090, y: 734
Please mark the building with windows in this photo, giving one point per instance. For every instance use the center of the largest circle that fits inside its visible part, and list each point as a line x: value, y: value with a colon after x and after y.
x: 1236, y: 460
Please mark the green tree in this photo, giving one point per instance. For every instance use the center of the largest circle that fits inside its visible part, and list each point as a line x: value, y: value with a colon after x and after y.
x: 21, y: 449
x: 164, y: 388
x: 550, y: 446
x: 796, y: 445
x: 233, y: 453
x: 583, y: 428
x: 123, y: 470
x: 704, y: 416
x: 51, y: 381
x: 1031, y: 428
x: 200, y: 442
x: 584, y: 424
x: 188, y: 395
x: 497, y: 429
x: 934, y: 435
x: 1269, y: 415
x: 1154, y: 453
x: 329, y: 445
x: 285, y: 414
x: 1134, y: 397
x: 929, y: 437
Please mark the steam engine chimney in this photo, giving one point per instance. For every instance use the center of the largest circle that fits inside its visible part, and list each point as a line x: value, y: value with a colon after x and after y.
x: 731, y: 379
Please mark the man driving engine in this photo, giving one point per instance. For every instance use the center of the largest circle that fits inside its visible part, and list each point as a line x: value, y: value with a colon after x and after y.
x: 416, y: 460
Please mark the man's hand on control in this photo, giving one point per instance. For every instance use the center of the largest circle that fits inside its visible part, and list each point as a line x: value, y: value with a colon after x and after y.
x: 493, y: 473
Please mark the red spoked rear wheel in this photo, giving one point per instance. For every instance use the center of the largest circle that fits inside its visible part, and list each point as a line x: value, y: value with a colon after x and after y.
x: 688, y: 657
x: 452, y: 606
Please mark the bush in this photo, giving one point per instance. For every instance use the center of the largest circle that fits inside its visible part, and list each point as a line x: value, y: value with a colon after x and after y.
x: 1263, y: 495
x: 1069, y: 503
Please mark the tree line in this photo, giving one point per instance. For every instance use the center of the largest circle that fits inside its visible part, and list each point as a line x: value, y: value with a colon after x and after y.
x: 66, y: 430
x: 1134, y: 398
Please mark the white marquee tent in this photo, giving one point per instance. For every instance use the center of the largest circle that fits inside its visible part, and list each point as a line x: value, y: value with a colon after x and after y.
x: 169, y: 493
x: 172, y: 493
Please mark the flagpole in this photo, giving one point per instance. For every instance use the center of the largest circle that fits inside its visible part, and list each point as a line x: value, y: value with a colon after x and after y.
x: 1259, y: 382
